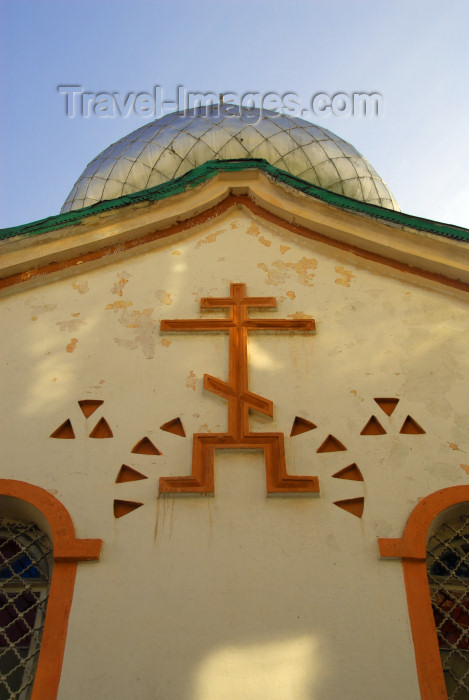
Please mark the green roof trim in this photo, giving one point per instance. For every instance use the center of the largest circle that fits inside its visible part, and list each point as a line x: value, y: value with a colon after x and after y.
x: 208, y: 170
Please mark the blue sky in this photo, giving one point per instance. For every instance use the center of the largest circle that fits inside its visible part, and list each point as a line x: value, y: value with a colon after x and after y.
x: 413, y: 53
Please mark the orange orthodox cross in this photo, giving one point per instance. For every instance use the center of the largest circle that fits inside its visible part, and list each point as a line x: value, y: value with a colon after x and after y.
x: 240, y: 399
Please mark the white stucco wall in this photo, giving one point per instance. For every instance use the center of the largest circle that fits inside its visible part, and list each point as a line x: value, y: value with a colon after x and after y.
x: 237, y: 596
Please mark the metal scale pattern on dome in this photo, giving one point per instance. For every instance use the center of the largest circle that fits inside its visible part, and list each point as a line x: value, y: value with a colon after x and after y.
x: 178, y: 142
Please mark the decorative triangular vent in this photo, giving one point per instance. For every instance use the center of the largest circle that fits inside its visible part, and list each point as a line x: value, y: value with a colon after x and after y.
x: 174, y: 426
x: 64, y: 431
x: 89, y: 406
x: 101, y: 429
x: 387, y: 405
x: 352, y: 505
x: 145, y: 447
x: 128, y: 474
x: 411, y: 427
x: 373, y: 427
x: 124, y: 507
x: 301, y: 425
x: 351, y: 472
x: 331, y: 444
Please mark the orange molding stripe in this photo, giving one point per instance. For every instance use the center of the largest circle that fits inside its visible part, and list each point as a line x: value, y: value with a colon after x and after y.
x: 412, y: 549
x: 67, y: 552
x: 229, y: 202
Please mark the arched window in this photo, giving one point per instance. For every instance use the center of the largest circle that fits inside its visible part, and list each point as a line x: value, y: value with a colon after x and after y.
x: 434, y: 550
x: 448, y: 577
x: 39, y: 554
x: 25, y: 572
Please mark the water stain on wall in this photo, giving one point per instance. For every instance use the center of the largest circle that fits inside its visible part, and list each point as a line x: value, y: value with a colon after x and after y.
x: 211, y: 238
x: 81, y: 287
x: 118, y: 305
x: 38, y: 309
x: 280, y: 271
x: 141, y: 322
x: 191, y: 380
x: 164, y: 297
x: 254, y: 230
x: 72, y: 325
x: 118, y: 287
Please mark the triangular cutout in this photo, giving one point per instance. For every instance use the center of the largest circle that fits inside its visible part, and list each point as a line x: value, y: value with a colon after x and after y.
x: 64, y: 431
x: 128, y: 474
x: 331, y: 444
x: 387, y: 405
x: 175, y: 427
x: 101, y: 430
x: 145, y: 447
x: 411, y: 427
x: 373, y: 427
x: 89, y: 406
x: 123, y: 507
x: 351, y: 472
x: 301, y: 425
x: 352, y: 505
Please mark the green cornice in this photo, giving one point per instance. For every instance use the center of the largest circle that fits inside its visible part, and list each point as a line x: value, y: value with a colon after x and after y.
x: 213, y: 167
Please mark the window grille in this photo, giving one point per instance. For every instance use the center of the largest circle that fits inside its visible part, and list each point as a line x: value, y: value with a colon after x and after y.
x: 448, y: 576
x: 25, y: 568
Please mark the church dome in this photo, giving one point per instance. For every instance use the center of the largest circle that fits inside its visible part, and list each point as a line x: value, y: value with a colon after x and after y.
x: 178, y: 142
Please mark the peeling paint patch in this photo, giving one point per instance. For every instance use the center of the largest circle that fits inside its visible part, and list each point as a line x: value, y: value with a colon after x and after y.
x: 164, y: 297
x: 72, y: 325
x: 347, y: 276
x: 76, y: 315
x: 54, y: 379
x: 176, y: 252
x: 280, y: 271
x: 191, y: 380
x: 81, y: 287
x: 264, y: 241
x: 33, y: 318
x: 234, y: 224
x: 465, y: 467
x: 204, y: 428
x: 196, y: 415
x: 291, y: 295
x: 299, y: 314
x: 165, y: 342
x: 211, y: 238
x: 118, y: 305
x: 454, y: 446
x: 72, y: 345
x: 284, y: 248
x: 355, y: 393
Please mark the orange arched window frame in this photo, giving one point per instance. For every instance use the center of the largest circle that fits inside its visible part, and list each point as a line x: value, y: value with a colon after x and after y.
x: 67, y: 552
x: 411, y: 548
